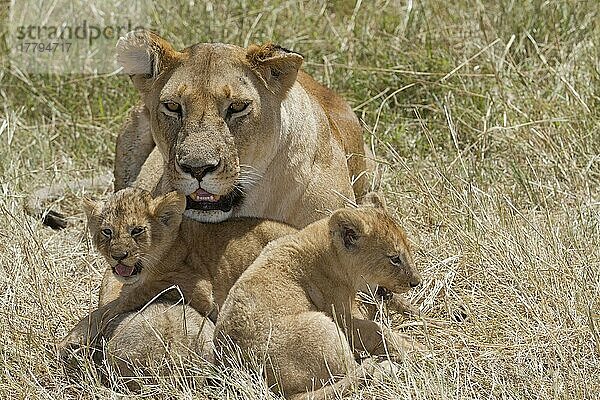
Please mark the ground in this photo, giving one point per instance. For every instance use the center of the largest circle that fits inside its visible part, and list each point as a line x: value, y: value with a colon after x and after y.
x: 485, y: 117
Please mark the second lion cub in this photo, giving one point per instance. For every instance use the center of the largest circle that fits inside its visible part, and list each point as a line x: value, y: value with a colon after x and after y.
x: 293, y: 305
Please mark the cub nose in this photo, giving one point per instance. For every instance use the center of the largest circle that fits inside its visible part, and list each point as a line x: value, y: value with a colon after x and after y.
x: 199, y: 172
x: 119, y: 255
x: 415, y: 280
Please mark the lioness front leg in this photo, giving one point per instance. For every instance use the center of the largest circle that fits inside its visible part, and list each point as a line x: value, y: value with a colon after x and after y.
x: 88, y: 328
x: 369, y: 336
x: 163, y: 332
x: 131, y: 299
x: 134, y: 145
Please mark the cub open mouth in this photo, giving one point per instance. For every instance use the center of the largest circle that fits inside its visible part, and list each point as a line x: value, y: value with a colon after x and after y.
x: 384, y: 293
x: 127, y: 271
x: 205, y: 201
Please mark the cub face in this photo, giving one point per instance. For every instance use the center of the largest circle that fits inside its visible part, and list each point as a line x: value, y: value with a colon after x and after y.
x: 214, y: 113
x: 132, y: 230
x: 370, y: 240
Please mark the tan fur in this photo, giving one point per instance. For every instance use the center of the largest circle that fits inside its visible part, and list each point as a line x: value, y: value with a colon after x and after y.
x: 294, y: 154
x: 135, y: 148
x: 294, y: 304
x: 141, y: 344
x: 203, y: 260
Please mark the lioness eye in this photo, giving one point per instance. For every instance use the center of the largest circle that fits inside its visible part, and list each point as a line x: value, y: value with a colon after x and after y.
x: 237, y: 107
x: 107, y: 232
x: 396, y: 260
x: 172, y: 106
x: 138, y: 230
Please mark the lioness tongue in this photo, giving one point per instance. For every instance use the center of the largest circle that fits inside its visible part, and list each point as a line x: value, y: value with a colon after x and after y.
x: 124, y: 270
x: 203, y: 195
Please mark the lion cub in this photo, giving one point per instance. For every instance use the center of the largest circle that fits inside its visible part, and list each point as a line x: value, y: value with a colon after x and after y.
x: 293, y: 305
x: 151, y: 247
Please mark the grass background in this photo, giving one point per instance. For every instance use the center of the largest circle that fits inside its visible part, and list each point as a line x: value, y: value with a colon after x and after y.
x: 486, y: 117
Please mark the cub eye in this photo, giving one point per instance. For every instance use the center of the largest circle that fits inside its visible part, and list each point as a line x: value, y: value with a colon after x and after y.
x: 396, y: 260
x: 138, y: 230
x: 237, y: 107
x: 172, y: 106
x: 107, y: 232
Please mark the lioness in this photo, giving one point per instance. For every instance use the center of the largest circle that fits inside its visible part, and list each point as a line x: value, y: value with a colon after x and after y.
x: 150, y: 247
x: 293, y: 305
x: 240, y: 132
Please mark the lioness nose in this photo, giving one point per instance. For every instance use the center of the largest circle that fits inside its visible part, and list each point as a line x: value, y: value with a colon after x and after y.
x: 119, y: 255
x: 198, y: 172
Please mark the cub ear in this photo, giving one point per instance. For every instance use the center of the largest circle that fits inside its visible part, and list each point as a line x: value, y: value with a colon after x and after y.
x: 346, y: 227
x: 92, y: 209
x: 144, y: 55
x: 374, y: 199
x: 275, y: 66
x: 168, y: 209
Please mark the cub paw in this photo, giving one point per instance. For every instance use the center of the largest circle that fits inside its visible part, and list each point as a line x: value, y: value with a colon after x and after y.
x: 398, y: 343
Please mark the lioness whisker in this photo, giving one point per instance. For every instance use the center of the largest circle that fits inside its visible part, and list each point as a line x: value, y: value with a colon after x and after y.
x: 244, y: 183
x: 248, y: 167
x: 239, y: 189
x: 249, y: 176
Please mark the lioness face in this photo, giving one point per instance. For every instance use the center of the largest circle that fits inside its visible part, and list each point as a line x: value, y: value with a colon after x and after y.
x: 370, y: 240
x: 132, y: 231
x: 207, y: 105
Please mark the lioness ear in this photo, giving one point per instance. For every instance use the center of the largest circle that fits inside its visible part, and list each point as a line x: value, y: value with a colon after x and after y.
x: 168, y: 208
x: 374, y: 199
x: 276, y: 67
x: 346, y: 227
x: 144, y: 55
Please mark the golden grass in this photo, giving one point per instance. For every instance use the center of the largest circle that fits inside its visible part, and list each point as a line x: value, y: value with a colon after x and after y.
x: 485, y: 118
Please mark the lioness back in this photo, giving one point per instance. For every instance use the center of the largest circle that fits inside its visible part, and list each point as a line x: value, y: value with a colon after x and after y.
x: 345, y: 128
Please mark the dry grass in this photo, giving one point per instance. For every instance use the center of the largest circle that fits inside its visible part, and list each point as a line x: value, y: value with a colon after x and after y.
x: 486, y: 117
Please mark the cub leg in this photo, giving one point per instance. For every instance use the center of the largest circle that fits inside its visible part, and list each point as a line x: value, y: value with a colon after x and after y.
x: 399, y: 304
x: 306, y: 350
x: 369, y: 336
x: 109, y: 289
x: 371, y: 303
x: 362, y: 372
